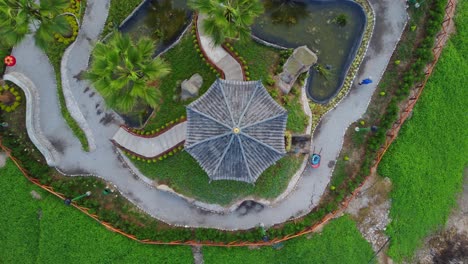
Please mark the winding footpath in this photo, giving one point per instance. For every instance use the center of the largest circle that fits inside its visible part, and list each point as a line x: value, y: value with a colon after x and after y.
x: 101, y: 125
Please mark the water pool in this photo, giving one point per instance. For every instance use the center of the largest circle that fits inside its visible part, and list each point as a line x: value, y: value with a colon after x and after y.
x: 311, y: 22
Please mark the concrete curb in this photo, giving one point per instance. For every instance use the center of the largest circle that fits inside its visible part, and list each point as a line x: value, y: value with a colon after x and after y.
x: 32, y: 117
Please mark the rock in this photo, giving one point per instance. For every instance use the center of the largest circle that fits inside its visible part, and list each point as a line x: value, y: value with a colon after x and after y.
x: 191, y: 87
x: 35, y: 195
x: 299, y: 62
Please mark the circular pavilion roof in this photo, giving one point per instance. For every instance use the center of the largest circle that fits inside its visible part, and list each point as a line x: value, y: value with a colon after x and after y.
x: 235, y: 130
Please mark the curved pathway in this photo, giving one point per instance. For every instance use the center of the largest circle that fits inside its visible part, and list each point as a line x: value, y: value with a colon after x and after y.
x: 151, y: 147
x: 231, y: 68
x: 105, y: 162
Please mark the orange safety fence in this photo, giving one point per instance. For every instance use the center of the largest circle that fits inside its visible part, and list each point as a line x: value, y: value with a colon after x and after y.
x: 391, y: 135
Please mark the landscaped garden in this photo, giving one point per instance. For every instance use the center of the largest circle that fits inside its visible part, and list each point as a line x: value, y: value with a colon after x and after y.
x: 146, y: 90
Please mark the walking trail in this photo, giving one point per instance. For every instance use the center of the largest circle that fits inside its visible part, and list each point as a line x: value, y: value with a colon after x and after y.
x: 105, y: 162
x: 150, y: 147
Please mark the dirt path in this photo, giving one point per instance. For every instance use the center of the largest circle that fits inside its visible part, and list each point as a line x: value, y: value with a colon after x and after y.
x: 197, y: 255
x: 371, y: 210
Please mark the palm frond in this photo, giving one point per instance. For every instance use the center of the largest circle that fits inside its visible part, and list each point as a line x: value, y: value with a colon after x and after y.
x: 53, y: 7
x: 120, y: 71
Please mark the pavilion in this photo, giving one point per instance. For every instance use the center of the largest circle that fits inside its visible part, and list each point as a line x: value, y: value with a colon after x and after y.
x: 236, y: 130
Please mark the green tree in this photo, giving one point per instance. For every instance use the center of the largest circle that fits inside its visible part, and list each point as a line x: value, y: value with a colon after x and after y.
x: 228, y: 19
x: 125, y: 73
x: 16, y: 16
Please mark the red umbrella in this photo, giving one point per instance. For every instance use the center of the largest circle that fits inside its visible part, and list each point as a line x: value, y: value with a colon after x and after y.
x: 10, y: 60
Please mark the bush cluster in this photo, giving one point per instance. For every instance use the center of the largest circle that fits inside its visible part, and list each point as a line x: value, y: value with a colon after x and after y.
x: 163, y: 156
x: 160, y: 129
x: 17, y: 98
x: 288, y: 141
x: 284, y: 56
x: 68, y: 38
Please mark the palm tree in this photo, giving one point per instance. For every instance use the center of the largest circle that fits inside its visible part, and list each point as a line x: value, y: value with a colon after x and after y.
x: 16, y: 16
x: 228, y: 18
x: 125, y: 73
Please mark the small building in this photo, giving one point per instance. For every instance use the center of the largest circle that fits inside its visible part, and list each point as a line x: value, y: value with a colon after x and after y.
x: 236, y: 130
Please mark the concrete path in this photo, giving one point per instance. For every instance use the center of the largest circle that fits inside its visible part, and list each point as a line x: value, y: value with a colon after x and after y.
x: 3, y: 157
x: 231, y: 68
x: 154, y: 146
x: 105, y: 162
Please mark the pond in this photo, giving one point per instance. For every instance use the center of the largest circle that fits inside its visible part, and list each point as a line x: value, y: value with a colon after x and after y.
x: 333, y: 29
x: 163, y: 21
x: 160, y: 20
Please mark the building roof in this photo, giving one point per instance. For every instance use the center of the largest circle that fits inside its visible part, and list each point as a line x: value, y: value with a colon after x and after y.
x: 235, y: 130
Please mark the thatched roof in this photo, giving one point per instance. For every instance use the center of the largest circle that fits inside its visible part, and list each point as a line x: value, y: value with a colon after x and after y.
x: 235, y: 130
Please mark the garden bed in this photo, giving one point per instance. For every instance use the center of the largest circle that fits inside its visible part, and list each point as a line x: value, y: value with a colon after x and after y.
x: 182, y: 173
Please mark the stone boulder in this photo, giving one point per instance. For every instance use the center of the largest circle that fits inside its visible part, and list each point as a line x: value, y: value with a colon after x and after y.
x: 299, y: 62
x: 191, y: 87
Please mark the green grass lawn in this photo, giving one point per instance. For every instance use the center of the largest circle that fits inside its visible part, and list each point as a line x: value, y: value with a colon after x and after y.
x: 63, y: 234
x: 339, y: 242
x: 184, y: 62
x: 183, y: 174
x: 426, y: 162
x: 260, y: 59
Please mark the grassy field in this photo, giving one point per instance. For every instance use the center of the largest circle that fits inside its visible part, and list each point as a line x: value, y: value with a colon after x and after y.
x: 184, y: 175
x: 46, y: 231
x: 339, y: 242
x: 427, y: 160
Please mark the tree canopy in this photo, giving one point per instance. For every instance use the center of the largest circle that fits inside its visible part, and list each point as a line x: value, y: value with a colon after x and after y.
x: 20, y: 17
x: 228, y: 19
x: 125, y: 73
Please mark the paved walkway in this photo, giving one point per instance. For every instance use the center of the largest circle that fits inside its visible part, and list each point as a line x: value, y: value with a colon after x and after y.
x: 105, y: 162
x: 154, y: 146
x: 231, y: 68
x: 2, y: 159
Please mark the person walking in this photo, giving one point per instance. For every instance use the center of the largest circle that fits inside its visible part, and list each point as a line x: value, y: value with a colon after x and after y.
x: 365, y: 81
